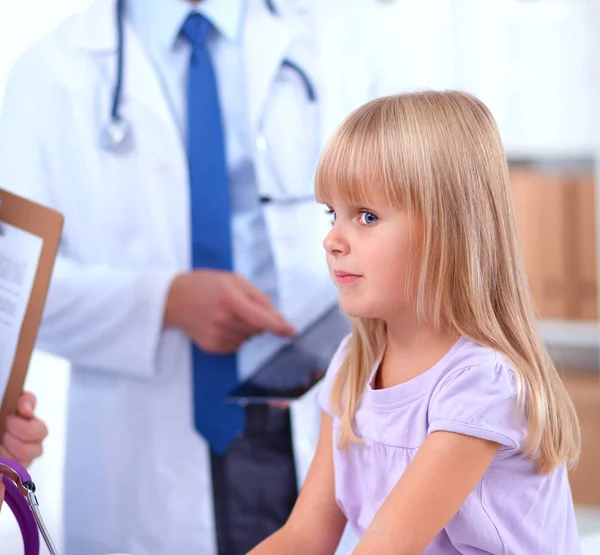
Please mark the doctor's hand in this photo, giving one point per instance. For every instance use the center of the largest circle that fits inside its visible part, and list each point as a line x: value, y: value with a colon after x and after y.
x: 220, y: 310
x: 23, y: 437
x: 24, y: 433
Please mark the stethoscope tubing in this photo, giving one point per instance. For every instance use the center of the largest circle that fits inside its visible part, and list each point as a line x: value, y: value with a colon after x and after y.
x: 116, y: 129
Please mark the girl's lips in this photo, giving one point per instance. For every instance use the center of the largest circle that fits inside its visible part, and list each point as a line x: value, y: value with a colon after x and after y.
x: 345, y: 277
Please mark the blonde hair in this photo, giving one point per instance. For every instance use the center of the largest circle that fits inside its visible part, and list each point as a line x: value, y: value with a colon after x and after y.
x: 439, y: 154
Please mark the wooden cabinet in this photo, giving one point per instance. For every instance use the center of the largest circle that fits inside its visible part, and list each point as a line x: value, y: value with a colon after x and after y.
x: 556, y: 225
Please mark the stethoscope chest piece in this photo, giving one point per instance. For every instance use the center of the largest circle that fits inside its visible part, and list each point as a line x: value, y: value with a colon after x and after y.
x: 114, y: 133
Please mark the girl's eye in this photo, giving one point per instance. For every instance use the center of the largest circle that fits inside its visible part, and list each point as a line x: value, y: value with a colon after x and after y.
x: 331, y: 213
x: 368, y: 218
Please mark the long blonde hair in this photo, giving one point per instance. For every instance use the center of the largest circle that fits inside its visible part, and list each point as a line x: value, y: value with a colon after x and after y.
x: 439, y: 154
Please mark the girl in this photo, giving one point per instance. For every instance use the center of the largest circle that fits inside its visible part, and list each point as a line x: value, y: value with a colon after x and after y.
x: 446, y: 428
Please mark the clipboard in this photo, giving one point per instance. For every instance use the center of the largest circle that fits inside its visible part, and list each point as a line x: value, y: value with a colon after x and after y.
x: 46, y: 224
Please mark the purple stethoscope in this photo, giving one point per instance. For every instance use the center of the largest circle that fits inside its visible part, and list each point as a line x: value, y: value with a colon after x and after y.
x: 21, y: 500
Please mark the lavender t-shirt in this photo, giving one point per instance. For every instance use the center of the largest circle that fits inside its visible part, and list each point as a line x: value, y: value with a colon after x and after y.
x: 471, y: 390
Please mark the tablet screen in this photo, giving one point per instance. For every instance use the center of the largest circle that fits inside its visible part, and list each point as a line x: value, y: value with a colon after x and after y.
x: 299, y: 366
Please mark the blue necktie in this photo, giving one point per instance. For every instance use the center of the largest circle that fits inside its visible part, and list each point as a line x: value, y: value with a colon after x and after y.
x: 213, y: 375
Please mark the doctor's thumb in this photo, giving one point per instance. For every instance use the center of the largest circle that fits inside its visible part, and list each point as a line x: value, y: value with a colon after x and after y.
x: 26, y: 405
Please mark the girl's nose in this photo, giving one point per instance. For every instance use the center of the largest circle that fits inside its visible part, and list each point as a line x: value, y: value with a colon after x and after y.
x: 334, y: 243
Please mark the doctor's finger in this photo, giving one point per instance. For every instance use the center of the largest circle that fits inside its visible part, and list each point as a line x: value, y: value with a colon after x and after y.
x: 265, y: 319
x: 229, y: 322
x: 239, y: 325
x: 26, y: 430
x: 235, y: 319
x: 21, y: 451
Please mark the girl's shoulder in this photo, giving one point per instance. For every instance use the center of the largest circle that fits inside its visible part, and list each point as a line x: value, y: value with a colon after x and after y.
x: 479, y: 395
x: 478, y: 364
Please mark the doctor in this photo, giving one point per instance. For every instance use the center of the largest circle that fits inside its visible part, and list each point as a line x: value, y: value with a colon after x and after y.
x: 146, y: 309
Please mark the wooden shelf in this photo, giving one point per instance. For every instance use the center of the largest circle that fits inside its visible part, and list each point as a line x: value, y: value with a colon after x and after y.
x: 570, y: 333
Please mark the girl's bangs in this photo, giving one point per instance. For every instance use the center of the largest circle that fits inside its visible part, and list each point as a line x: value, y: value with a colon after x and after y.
x: 362, y: 163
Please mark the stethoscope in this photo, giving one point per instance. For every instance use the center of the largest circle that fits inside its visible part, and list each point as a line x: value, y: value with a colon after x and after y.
x: 21, y: 500
x: 116, y: 129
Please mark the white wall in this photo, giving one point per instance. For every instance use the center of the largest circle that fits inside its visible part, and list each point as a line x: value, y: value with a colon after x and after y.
x: 530, y: 61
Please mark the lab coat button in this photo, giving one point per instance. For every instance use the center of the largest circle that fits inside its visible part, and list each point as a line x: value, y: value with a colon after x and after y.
x: 261, y: 143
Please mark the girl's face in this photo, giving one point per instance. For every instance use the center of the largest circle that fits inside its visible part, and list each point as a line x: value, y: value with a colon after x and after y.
x: 369, y: 250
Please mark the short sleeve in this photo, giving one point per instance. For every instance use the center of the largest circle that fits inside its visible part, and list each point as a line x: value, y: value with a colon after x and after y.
x: 332, y: 370
x: 480, y: 401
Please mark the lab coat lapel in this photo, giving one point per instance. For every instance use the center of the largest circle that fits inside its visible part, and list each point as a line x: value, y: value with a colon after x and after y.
x: 267, y: 39
x: 141, y: 84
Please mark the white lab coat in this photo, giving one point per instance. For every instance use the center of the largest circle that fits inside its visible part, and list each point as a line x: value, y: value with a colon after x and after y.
x: 137, y: 472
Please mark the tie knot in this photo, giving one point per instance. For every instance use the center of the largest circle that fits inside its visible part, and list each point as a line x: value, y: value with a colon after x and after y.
x: 195, y: 29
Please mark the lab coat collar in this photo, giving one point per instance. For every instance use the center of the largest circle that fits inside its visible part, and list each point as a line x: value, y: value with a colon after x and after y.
x: 100, y: 34
x: 161, y: 20
x: 226, y: 15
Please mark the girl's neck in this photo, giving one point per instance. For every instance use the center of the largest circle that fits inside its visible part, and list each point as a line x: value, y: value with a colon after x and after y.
x: 412, y: 350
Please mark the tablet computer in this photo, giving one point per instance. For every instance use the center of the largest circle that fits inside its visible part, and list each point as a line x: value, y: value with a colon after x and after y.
x: 298, y: 366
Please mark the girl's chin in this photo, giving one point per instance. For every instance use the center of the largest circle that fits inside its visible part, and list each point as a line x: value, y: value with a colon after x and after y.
x: 355, y: 309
